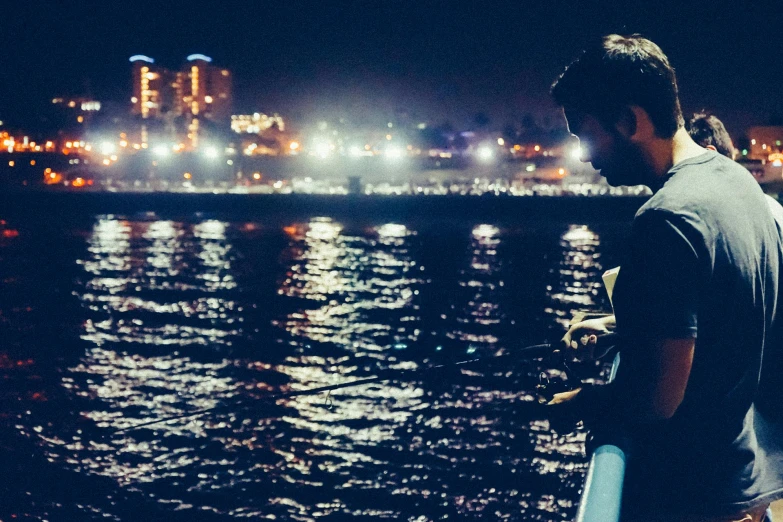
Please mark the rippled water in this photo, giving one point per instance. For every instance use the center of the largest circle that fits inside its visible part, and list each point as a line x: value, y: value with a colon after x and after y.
x: 115, y: 321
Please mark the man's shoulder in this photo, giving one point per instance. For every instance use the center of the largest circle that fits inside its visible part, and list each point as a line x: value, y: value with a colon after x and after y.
x: 709, y: 183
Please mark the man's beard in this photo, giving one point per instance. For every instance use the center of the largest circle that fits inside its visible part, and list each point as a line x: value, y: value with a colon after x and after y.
x: 625, y: 165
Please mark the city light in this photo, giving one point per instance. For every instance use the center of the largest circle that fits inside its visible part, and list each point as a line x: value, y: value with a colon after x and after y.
x: 161, y: 150
x: 485, y: 153
x: 576, y: 152
x: 107, y: 148
x: 141, y: 58
x: 197, y: 56
x: 91, y: 106
x: 294, y: 146
x: 211, y: 151
x: 393, y: 152
x: 323, y: 149
x: 187, y: 175
x: 255, y: 123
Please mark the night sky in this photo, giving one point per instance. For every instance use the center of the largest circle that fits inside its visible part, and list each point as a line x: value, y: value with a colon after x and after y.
x: 436, y: 61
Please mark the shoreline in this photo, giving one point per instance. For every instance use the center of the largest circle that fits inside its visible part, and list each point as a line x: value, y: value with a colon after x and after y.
x: 493, y: 209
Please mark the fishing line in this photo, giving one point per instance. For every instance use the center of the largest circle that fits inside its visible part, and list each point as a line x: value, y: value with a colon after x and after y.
x: 537, y: 350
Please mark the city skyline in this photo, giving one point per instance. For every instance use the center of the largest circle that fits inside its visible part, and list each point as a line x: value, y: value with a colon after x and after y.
x: 434, y: 61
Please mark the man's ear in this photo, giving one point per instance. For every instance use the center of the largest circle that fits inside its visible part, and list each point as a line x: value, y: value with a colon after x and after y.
x: 626, y: 123
x: 636, y: 124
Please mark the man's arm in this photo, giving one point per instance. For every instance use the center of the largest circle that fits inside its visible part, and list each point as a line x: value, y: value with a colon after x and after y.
x: 657, y: 316
x: 652, y: 385
x: 649, y: 388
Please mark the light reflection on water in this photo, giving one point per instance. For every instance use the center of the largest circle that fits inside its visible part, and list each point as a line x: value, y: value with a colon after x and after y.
x: 165, y: 304
x: 578, y: 274
x: 480, y: 313
x: 364, y: 288
x: 363, y: 282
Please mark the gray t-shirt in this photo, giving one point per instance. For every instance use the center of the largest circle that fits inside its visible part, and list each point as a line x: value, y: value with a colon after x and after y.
x: 704, y: 262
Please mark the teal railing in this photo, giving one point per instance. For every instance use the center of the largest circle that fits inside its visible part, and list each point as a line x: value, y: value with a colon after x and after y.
x: 602, y: 493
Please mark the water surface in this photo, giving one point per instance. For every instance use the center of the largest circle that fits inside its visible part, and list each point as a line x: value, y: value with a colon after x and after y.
x: 112, y: 320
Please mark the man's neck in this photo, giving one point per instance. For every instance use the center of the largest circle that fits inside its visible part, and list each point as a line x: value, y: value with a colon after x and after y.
x: 663, y: 154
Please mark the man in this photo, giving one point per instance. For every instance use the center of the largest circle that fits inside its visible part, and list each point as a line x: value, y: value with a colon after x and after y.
x: 695, y: 300
x: 709, y: 132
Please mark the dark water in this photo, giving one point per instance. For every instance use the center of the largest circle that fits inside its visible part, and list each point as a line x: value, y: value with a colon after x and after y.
x: 110, y: 320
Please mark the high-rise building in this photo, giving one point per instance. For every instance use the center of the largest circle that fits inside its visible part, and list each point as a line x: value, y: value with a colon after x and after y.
x: 206, y: 89
x: 149, y: 86
x: 199, y: 89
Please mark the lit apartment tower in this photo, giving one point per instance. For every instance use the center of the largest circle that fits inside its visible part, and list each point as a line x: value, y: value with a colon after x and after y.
x: 149, y: 85
x: 206, y: 89
x: 199, y: 89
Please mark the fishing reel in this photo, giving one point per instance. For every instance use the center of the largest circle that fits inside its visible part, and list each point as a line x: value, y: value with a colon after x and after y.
x: 564, y: 371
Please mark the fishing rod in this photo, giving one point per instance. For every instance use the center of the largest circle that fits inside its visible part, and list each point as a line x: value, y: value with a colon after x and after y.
x: 606, y: 341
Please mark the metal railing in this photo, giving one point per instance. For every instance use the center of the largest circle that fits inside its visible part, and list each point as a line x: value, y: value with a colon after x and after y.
x: 602, y: 494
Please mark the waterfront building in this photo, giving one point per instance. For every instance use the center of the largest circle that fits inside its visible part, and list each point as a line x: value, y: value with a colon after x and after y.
x: 766, y: 143
x: 256, y: 123
x: 150, y: 87
x: 205, y: 89
x: 78, y: 110
x: 199, y: 89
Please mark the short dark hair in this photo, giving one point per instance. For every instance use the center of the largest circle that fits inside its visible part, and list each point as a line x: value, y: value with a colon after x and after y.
x: 706, y: 129
x: 618, y: 71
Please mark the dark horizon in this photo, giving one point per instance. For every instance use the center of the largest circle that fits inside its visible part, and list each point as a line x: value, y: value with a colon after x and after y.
x: 437, y: 62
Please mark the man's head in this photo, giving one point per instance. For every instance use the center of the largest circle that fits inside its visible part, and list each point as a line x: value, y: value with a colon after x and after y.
x: 709, y: 132
x: 619, y: 97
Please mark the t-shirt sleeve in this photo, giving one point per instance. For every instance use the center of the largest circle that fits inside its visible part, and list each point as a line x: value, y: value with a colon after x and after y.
x: 661, y: 278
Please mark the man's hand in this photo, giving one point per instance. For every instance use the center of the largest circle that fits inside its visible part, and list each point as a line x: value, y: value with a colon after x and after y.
x: 589, y: 404
x: 581, y: 338
x: 564, y: 397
